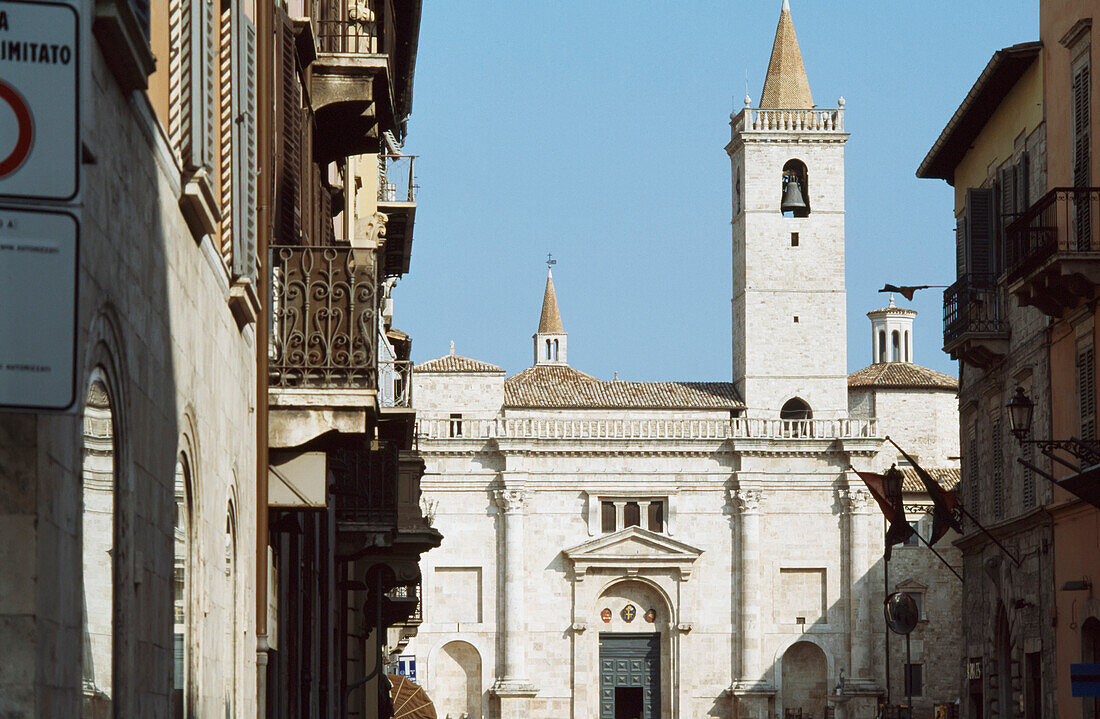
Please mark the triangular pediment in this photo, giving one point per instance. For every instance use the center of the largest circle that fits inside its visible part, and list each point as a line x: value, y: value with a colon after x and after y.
x: 633, y: 549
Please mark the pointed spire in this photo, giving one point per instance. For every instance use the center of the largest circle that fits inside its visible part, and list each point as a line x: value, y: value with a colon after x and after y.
x: 786, y: 86
x: 550, y: 321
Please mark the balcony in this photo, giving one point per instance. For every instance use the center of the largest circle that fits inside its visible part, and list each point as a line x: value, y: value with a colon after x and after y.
x: 397, y: 199
x: 829, y: 121
x: 322, y: 358
x: 376, y: 490
x: 362, y: 77
x: 395, y: 384
x: 1053, y: 251
x: 974, y: 326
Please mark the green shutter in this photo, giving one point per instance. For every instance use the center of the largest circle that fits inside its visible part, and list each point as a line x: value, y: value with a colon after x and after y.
x: 244, y: 144
x: 981, y: 212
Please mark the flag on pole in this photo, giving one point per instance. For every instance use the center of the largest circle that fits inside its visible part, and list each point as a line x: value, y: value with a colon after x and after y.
x: 947, y: 512
x: 898, y: 528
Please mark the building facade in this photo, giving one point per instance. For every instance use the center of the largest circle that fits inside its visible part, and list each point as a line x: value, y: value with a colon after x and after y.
x: 679, y: 549
x: 993, y: 152
x: 227, y: 521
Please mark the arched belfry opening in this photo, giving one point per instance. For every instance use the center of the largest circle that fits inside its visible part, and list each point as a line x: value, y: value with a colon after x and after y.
x: 796, y: 408
x: 795, y: 198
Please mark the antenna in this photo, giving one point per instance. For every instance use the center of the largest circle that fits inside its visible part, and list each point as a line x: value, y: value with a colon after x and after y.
x: 550, y: 261
x: 746, y: 82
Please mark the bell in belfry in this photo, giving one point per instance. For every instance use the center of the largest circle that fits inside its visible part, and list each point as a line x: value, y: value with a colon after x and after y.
x: 792, y: 198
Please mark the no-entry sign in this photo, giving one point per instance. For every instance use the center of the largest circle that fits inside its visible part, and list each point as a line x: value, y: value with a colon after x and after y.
x: 39, y: 101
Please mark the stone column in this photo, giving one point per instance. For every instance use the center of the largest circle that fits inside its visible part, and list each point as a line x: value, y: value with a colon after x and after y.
x: 512, y: 687
x: 860, y: 688
x: 751, y: 691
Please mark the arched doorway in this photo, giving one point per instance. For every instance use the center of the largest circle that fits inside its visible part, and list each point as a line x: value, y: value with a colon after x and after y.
x: 456, y: 683
x: 804, y: 680
x: 634, y: 652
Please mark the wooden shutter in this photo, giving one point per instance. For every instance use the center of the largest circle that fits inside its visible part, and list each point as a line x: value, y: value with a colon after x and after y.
x: 244, y: 144
x: 998, y: 472
x: 960, y: 245
x: 1081, y: 127
x: 981, y: 213
x: 202, y: 92
x: 289, y: 197
x: 1086, y: 391
x: 178, y: 78
x: 226, y: 106
x: 973, y: 481
x: 1024, y: 200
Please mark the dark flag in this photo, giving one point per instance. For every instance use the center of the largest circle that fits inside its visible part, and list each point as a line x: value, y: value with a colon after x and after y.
x: 898, y: 528
x: 947, y: 511
x: 905, y: 291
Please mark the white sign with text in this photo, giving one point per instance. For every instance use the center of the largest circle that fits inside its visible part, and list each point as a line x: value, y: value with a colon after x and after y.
x: 38, y: 285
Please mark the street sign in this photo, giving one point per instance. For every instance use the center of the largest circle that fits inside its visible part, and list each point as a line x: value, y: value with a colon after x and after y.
x: 1084, y: 680
x: 38, y: 283
x: 39, y: 101
x: 406, y: 666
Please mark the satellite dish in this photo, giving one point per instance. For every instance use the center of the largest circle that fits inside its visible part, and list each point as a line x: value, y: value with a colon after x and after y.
x: 901, y: 613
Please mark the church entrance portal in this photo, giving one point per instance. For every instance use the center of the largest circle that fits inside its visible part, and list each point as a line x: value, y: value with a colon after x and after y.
x: 630, y: 676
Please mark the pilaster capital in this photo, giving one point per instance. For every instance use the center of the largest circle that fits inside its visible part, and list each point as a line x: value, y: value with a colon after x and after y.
x: 510, y: 500
x: 746, y: 500
x: 855, y: 500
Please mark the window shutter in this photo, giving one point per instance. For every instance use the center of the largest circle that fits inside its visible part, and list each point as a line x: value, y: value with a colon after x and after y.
x: 289, y: 192
x: 203, y: 77
x: 1086, y: 391
x: 1025, y: 182
x: 981, y: 230
x: 998, y: 472
x: 960, y: 246
x: 1081, y: 127
x: 226, y: 107
x: 178, y: 78
x: 973, y: 481
x: 244, y: 144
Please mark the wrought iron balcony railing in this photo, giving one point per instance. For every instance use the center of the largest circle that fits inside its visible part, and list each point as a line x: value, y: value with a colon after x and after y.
x: 972, y: 305
x: 396, y: 181
x: 365, y: 482
x: 1066, y: 219
x: 395, y: 383
x: 324, y: 310
x: 355, y: 27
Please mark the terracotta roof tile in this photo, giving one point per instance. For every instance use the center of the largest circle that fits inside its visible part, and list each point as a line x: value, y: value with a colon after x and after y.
x: 901, y: 375
x: 948, y: 477
x: 456, y: 363
x: 563, y: 387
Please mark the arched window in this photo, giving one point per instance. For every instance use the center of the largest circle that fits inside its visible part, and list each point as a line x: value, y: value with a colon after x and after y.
x: 555, y: 350
x: 882, y: 345
x: 796, y: 408
x: 908, y: 347
x: 795, y: 198
x: 181, y: 595
x: 895, y: 349
x: 98, y: 544
x: 548, y: 350
x: 231, y: 624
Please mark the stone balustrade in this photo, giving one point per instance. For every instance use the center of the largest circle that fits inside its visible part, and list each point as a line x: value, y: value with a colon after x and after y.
x: 816, y: 120
x: 429, y: 428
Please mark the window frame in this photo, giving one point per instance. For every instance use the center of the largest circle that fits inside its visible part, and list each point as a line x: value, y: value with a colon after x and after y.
x: 599, y: 501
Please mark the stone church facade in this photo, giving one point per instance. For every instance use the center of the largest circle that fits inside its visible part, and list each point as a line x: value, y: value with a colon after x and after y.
x: 692, y: 549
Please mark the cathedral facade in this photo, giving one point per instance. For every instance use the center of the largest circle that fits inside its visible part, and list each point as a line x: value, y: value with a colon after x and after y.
x: 635, y: 550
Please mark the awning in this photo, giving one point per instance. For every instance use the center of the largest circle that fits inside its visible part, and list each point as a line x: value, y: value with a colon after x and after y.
x: 296, y: 480
x: 410, y: 701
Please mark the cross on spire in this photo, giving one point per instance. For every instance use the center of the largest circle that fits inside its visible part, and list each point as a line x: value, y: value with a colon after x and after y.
x: 550, y: 261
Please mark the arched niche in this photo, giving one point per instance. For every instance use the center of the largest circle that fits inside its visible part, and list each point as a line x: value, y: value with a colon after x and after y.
x: 805, y: 685
x: 796, y: 408
x: 456, y: 681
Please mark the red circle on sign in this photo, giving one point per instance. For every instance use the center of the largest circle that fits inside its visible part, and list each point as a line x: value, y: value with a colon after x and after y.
x: 25, y: 140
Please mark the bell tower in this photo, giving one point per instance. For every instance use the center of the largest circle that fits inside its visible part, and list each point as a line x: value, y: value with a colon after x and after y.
x: 789, y: 315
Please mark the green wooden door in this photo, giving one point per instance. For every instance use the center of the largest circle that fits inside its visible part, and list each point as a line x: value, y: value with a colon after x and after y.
x: 630, y: 661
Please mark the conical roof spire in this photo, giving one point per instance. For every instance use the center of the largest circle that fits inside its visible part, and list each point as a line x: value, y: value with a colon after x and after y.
x: 550, y: 321
x: 786, y: 86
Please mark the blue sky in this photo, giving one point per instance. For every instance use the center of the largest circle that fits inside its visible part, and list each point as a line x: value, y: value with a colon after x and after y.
x: 595, y: 131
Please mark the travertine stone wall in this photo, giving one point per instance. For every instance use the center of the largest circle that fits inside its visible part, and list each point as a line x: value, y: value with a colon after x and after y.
x: 153, y: 316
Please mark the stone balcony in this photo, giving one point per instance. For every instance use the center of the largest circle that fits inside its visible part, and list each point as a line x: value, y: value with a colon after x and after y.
x: 362, y: 73
x: 397, y: 200
x: 830, y: 121
x: 974, y: 326
x: 1053, y: 251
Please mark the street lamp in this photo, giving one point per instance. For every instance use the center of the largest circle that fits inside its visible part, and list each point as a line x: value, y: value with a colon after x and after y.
x: 1020, y: 412
x: 891, y: 485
